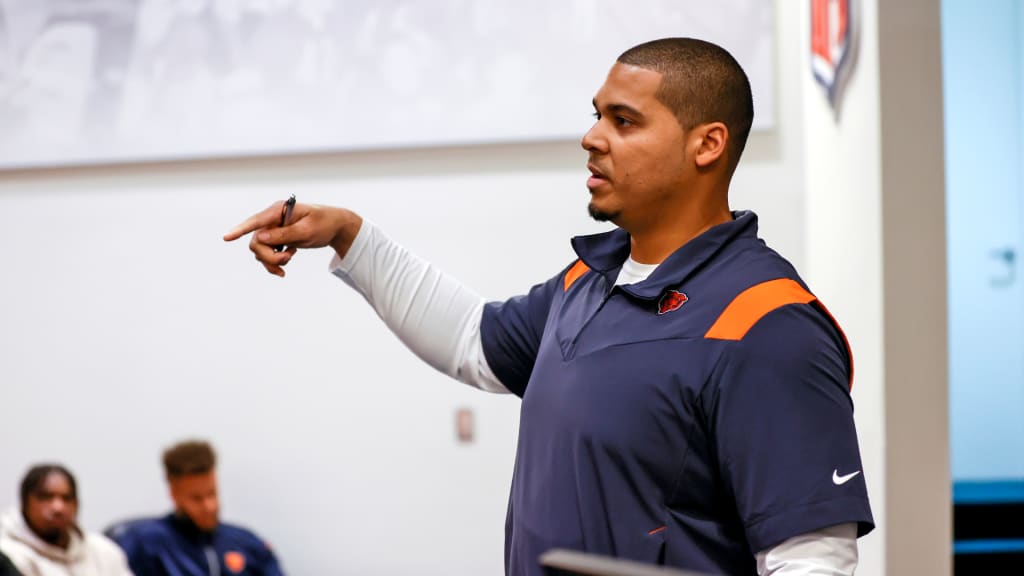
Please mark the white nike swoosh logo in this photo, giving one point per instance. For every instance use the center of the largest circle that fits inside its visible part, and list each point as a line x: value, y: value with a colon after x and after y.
x: 840, y: 480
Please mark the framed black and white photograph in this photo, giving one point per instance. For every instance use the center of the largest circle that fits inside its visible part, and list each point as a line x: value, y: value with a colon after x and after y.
x: 110, y: 81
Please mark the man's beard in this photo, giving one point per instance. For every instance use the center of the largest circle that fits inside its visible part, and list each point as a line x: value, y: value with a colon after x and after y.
x: 52, y: 536
x: 599, y: 215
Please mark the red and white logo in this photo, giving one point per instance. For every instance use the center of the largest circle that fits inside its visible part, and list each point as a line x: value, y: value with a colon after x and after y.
x: 832, y: 43
x: 671, y: 301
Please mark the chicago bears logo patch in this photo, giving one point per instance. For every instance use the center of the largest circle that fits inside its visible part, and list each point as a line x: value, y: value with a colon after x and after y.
x: 671, y: 301
x: 235, y: 561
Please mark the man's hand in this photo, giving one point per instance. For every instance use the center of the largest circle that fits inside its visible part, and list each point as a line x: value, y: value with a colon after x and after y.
x: 310, y: 226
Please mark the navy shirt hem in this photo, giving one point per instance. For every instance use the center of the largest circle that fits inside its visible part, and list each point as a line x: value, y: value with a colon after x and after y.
x: 773, y: 530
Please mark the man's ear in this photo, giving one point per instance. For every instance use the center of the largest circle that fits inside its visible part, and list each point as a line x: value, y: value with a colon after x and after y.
x: 713, y: 138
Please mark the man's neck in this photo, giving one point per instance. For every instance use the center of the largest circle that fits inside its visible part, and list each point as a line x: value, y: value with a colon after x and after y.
x: 183, y: 520
x: 653, y: 244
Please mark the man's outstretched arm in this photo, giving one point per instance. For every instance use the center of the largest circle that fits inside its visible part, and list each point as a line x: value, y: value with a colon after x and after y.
x: 434, y: 315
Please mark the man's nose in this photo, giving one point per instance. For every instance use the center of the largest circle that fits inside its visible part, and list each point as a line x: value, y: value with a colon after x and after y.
x: 593, y: 140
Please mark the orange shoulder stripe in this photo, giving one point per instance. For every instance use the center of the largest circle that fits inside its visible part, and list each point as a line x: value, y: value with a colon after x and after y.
x: 578, y: 269
x: 753, y: 303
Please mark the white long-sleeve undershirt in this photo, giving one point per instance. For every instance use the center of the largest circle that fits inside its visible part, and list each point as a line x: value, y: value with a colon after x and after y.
x: 434, y: 315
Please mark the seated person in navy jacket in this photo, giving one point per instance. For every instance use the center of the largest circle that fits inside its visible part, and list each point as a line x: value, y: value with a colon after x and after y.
x: 192, y: 541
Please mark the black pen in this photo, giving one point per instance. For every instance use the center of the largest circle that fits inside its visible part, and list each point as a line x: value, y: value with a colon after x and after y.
x: 286, y: 214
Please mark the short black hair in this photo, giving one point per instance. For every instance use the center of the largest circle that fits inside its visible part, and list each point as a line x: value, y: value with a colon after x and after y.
x: 188, y: 458
x: 701, y: 83
x: 33, y: 481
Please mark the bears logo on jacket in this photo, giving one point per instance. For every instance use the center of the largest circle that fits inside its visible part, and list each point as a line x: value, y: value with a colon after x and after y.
x: 671, y: 301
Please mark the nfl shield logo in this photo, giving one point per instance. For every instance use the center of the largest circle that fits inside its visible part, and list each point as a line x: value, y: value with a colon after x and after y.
x: 832, y: 44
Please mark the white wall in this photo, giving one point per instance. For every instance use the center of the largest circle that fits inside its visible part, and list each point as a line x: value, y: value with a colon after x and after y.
x: 126, y: 324
x: 181, y: 79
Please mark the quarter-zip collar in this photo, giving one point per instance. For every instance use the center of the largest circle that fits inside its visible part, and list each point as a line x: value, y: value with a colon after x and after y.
x: 604, y: 253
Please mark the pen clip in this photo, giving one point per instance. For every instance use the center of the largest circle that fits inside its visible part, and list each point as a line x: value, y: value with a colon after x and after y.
x: 286, y: 215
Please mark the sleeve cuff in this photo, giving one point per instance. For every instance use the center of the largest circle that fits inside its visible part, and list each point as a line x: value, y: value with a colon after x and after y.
x: 771, y: 530
x: 341, y: 267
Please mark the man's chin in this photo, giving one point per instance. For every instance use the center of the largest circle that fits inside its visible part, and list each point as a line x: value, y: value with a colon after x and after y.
x: 203, y: 524
x: 208, y: 526
x: 52, y: 535
x: 600, y: 215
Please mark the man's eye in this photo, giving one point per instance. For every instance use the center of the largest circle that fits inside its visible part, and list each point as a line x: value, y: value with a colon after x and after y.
x: 622, y: 121
x: 596, y: 115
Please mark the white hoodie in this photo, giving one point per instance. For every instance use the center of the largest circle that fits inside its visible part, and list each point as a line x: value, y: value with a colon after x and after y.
x: 87, y: 554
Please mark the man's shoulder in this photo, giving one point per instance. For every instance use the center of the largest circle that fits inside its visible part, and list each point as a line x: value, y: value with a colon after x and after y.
x: 139, y: 530
x: 755, y: 286
x: 15, y: 549
x: 22, y: 556
x: 748, y: 263
x: 752, y: 258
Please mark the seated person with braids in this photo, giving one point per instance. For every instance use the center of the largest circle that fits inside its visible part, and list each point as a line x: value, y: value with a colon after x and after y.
x: 43, y: 537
